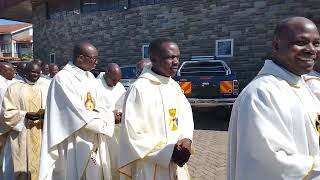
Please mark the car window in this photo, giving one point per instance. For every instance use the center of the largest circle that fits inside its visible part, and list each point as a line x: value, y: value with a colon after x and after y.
x: 128, y: 72
x: 203, y: 69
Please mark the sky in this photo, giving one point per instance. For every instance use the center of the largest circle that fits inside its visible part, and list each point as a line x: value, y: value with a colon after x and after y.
x: 5, y: 22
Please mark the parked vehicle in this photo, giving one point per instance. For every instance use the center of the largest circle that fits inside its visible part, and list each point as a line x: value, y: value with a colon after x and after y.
x: 207, y: 82
x: 128, y: 75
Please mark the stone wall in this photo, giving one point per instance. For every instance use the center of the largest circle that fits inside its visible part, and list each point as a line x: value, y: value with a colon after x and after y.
x: 194, y: 25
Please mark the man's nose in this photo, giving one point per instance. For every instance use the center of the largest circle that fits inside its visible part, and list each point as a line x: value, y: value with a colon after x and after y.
x: 312, y: 49
x: 176, y: 60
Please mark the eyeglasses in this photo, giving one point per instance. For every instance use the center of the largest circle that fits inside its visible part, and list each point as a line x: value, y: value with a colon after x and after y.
x: 92, y: 58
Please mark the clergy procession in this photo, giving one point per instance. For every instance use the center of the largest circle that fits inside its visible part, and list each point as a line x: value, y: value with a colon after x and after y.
x: 70, y: 125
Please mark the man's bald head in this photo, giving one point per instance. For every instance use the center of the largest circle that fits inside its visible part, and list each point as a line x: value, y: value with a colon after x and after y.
x: 113, y: 68
x: 7, y: 70
x: 38, y: 61
x: 85, y: 56
x: 142, y: 64
x: 112, y: 74
x: 289, y: 25
x: 296, y: 42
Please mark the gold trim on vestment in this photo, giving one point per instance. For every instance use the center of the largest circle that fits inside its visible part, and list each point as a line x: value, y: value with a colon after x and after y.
x: 311, y: 169
x: 148, y: 152
x: 293, y: 85
x: 311, y: 78
x: 317, y: 118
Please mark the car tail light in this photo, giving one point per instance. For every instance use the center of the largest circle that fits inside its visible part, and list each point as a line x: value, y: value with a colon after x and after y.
x: 226, y: 87
x: 235, y: 87
x: 186, y: 87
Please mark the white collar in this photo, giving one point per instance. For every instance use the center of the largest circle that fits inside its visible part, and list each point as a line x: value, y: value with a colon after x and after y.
x: 77, y: 72
x: 271, y: 68
x: 29, y: 82
x: 314, y: 73
x: 149, y: 74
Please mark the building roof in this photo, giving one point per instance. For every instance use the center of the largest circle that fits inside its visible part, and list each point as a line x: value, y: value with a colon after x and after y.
x: 8, y: 29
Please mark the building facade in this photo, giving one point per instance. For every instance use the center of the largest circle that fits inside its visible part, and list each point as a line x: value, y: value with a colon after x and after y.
x: 16, y: 41
x: 238, y: 32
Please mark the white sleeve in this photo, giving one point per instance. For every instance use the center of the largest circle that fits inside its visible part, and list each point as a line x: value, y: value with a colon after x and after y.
x: 104, y: 125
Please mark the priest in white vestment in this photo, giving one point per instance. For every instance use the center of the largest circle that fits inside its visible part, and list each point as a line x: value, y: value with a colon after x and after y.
x: 23, y: 111
x: 114, y: 92
x: 76, y: 123
x: 157, y: 123
x: 7, y: 73
x: 272, y: 131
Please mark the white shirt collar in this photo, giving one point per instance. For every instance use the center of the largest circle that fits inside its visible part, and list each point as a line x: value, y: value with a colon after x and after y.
x: 271, y: 68
x: 77, y: 72
x: 29, y: 82
x: 149, y: 74
x: 314, y: 73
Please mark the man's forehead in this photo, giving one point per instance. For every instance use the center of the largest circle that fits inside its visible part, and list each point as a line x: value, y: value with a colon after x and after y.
x: 169, y: 47
x: 33, y: 67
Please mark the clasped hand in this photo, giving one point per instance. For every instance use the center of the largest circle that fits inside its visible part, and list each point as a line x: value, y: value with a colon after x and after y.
x: 182, y: 152
x: 117, y: 117
x: 33, y: 116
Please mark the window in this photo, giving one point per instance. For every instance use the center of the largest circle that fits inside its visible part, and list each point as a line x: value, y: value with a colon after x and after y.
x: 99, y: 5
x: 6, y: 48
x: 52, y: 58
x: 5, y: 37
x: 224, y: 48
x: 25, y: 45
x: 203, y: 68
x: 145, y: 51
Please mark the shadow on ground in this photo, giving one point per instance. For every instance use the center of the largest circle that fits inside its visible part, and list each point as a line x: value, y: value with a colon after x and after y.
x: 216, y: 118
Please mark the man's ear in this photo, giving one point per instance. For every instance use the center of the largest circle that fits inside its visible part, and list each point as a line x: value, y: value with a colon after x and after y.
x: 275, y: 44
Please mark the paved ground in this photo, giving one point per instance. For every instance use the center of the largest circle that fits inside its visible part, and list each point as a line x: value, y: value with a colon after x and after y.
x: 210, y: 142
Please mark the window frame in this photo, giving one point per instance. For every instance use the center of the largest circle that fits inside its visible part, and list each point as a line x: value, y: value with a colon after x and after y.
x: 224, y: 41
x: 143, y: 51
x: 54, y: 58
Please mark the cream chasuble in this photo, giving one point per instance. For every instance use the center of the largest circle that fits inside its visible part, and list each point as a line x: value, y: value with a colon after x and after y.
x: 272, y: 133
x: 156, y: 115
x: 24, y: 138
x: 75, y: 128
x: 313, y: 81
x: 116, y: 97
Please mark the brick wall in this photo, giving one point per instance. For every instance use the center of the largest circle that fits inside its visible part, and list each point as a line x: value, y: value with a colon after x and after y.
x: 194, y: 25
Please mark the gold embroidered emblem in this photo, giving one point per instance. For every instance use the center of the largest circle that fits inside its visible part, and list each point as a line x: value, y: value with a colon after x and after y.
x: 89, y: 103
x: 173, y: 120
